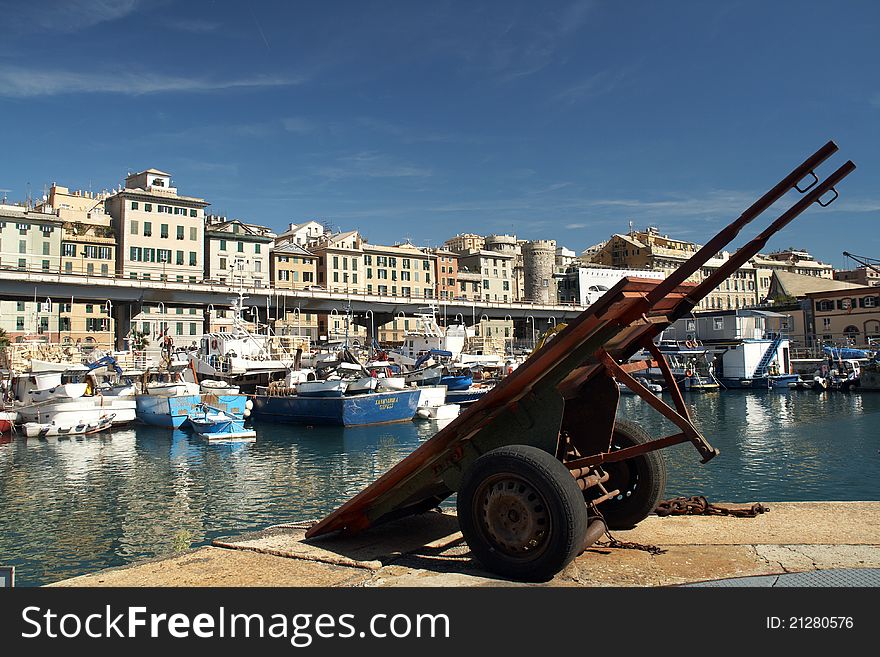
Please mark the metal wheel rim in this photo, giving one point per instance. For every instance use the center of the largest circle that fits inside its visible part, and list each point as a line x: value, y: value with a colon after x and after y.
x: 513, y: 516
x: 624, y: 477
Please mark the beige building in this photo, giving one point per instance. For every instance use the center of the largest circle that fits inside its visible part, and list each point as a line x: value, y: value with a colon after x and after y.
x: 859, y: 276
x: 496, y: 270
x: 470, y: 285
x: 293, y: 267
x: 340, y: 262
x: 403, y: 270
x: 57, y: 321
x: 237, y: 253
x: 88, y: 240
x: 510, y: 245
x: 160, y: 234
x: 848, y: 316
x: 464, y: 242
x: 649, y: 249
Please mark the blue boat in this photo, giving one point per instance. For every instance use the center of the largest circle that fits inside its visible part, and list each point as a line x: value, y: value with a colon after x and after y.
x: 467, y: 396
x: 215, y: 424
x: 350, y: 411
x: 459, y: 382
x: 172, y: 412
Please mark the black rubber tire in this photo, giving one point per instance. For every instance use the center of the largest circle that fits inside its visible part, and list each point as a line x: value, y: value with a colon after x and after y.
x: 522, y: 513
x: 641, y: 479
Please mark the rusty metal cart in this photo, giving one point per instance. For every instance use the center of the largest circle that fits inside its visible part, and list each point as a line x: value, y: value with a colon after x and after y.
x: 533, y: 461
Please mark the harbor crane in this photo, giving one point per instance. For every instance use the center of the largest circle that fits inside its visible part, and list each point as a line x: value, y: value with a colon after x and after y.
x: 864, y: 261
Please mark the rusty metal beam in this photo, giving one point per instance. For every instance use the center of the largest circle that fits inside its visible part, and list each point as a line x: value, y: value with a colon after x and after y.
x: 669, y: 377
x: 627, y: 452
x: 683, y: 422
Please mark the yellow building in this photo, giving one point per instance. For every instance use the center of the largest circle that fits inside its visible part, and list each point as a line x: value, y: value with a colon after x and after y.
x: 293, y: 267
x: 340, y: 262
x: 88, y: 239
x: 847, y: 316
x: 403, y: 270
x: 465, y: 242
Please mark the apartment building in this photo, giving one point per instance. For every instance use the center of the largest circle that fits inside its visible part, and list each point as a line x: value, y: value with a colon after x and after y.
x: 88, y: 240
x: 293, y: 267
x: 464, y: 242
x: 29, y: 239
x: 859, y: 276
x: 302, y: 234
x: 401, y: 270
x: 447, y: 274
x: 649, y: 249
x: 340, y: 265
x: 850, y: 315
x: 64, y: 321
x: 470, y: 285
x: 496, y: 270
x: 160, y: 234
x: 237, y: 253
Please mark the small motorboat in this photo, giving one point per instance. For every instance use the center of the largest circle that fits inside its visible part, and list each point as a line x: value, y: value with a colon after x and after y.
x: 215, y: 424
x: 442, y: 412
x: 52, y: 429
x: 7, y: 418
x: 457, y: 381
x: 326, y: 388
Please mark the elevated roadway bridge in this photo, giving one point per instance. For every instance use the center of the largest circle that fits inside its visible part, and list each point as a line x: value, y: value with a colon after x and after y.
x: 129, y: 296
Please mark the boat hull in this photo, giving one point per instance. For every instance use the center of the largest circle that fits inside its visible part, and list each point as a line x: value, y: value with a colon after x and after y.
x: 172, y: 412
x: 358, y: 410
x: 762, y: 383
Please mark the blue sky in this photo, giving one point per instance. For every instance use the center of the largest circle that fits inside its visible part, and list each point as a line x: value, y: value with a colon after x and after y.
x: 419, y: 120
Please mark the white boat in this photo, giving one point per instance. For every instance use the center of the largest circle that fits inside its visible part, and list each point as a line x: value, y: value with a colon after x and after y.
x: 326, y: 388
x: 172, y: 388
x: 389, y: 383
x: 61, y: 391
x: 215, y: 424
x: 61, y: 428
x: 217, y: 387
x: 442, y: 412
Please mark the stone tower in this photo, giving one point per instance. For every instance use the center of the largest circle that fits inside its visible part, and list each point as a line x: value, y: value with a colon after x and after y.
x: 539, y: 263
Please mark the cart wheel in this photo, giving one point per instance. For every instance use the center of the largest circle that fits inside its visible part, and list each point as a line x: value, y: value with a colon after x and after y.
x: 640, y: 479
x: 522, y: 513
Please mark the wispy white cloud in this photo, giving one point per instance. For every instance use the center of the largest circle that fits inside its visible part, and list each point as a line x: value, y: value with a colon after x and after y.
x: 69, y: 15
x: 593, y: 86
x: 575, y: 226
x: 370, y: 164
x: 17, y: 82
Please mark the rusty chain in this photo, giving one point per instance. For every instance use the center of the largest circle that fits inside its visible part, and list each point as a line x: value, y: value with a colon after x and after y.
x: 699, y: 505
x: 622, y: 545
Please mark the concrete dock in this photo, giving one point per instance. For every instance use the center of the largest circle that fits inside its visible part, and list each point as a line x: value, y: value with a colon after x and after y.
x: 428, y: 550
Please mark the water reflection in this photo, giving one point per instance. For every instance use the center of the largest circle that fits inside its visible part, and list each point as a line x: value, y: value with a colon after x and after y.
x: 76, y: 505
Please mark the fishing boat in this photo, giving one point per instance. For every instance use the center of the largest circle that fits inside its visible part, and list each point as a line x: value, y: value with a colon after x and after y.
x: 692, y: 365
x: 457, y: 381
x: 62, y: 429
x: 340, y: 410
x: 215, y: 424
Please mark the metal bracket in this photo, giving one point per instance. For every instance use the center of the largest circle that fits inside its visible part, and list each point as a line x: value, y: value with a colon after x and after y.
x: 808, y: 187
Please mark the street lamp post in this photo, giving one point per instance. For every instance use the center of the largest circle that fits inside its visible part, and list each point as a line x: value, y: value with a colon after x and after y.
x: 532, y: 320
x: 372, y: 329
x: 109, y: 308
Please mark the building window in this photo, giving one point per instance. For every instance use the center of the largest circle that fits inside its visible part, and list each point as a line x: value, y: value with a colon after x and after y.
x: 134, y: 205
x: 222, y: 263
x: 194, y: 234
x: 163, y: 230
x: 68, y: 250
x: 192, y: 259
x: 148, y: 229
x: 717, y: 323
x: 134, y: 228
x: 148, y: 207
x: 241, y: 247
x: 256, y: 248
x: 180, y: 231
x: 192, y: 329
x: 178, y: 258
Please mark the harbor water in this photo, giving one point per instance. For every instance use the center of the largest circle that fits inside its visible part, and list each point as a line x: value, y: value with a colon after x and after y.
x: 73, y: 506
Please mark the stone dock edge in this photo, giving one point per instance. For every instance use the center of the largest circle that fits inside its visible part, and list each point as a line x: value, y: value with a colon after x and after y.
x: 428, y: 550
